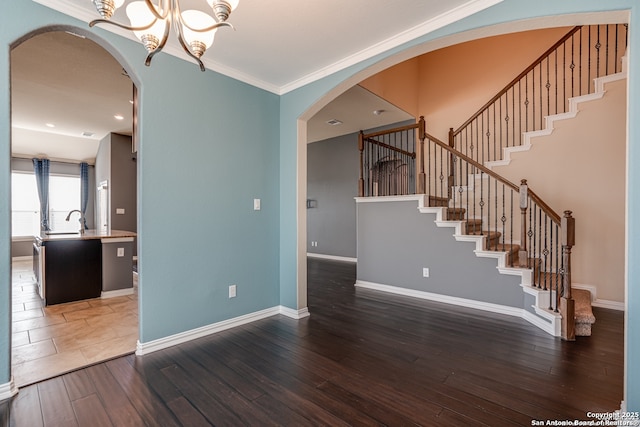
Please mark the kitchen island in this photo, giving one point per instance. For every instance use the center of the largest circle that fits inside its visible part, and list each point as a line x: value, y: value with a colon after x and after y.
x: 74, y: 266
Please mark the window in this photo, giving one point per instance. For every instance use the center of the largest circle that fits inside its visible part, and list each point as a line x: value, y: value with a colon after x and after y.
x: 64, y: 196
x: 25, y: 207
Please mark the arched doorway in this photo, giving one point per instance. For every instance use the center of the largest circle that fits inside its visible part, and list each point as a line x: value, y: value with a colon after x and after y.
x: 73, y: 102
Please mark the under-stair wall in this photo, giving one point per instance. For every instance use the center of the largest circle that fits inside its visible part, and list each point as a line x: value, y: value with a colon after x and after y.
x: 396, y: 241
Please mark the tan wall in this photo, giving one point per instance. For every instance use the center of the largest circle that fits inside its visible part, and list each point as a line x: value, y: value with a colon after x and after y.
x: 398, y: 85
x: 581, y: 167
x: 454, y: 82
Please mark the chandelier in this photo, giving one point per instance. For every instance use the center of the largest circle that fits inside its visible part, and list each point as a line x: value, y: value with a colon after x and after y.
x: 151, y: 23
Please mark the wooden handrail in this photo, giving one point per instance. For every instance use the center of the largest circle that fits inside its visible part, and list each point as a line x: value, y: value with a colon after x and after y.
x: 473, y: 162
x: 545, y: 207
x: 519, y: 77
x: 390, y: 147
x: 541, y: 203
x: 398, y: 129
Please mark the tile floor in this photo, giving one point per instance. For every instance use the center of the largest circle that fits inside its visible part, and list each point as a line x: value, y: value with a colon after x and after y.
x: 49, y: 341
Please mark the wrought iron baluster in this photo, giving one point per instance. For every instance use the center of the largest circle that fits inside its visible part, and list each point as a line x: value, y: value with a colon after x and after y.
x: 573, y: 64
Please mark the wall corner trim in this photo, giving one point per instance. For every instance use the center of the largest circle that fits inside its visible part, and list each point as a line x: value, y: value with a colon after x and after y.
x: 294, y: 314
x: 8, y: 390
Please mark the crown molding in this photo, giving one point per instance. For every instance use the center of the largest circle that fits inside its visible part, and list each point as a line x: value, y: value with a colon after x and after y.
x: 84, y: 14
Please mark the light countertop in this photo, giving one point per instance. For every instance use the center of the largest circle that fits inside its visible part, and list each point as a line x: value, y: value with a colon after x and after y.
x: 88, y: 235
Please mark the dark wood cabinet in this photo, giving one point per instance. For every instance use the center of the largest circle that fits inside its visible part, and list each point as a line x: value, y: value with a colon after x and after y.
x: 72, y: 270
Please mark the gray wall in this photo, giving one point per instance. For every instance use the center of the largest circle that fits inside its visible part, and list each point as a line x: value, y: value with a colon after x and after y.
x: 396, y: 241
x: 26, y: 165
x: 116, y: 164
x: 332, y: 184
x: 117, y: 272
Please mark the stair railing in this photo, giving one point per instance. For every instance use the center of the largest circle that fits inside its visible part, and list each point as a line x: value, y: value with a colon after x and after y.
x: 388, y: 162
x: 511, y: 218
x: 565, y: 70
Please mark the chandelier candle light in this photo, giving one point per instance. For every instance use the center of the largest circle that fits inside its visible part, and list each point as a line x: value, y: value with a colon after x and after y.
x: 151, y: 23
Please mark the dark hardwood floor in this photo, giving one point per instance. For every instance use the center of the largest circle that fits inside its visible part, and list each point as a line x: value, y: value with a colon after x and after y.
x: 362, y: 358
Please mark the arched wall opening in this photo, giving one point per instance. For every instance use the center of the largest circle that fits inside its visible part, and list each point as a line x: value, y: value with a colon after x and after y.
x: 98, y: 43
x: 495, y: 30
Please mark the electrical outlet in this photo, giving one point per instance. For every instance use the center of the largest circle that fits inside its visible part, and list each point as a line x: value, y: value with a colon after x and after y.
x: 256, y: 204
x: 232, y: 291
x: 425, y: 272
x: 120, y: 252
x: 119, y: 211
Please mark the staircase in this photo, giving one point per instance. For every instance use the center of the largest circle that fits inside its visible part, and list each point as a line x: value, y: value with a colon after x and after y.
x: 509, y: 222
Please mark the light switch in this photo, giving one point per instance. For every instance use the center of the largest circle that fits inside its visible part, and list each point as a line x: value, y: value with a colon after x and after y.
x: 120, y: 252
x: 256, y: 204
x: 120, y: 211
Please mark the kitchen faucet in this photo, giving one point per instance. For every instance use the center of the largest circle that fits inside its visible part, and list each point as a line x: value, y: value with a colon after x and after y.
x: 81, y: 219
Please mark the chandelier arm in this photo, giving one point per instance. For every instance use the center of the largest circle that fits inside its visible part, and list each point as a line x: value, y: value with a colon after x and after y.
x: 191, y: 54
x: 161, y: 44
x: 213, y: 27
x: 178, y: 23
x: 153, y: 9
x: 117, y: 24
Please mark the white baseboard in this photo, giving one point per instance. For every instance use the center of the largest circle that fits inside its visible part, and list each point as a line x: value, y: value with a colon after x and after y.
x: 294, y: 314
x: 332, y: 257
x: 597, y: 302
x: 116, y: 293
x: 611, y: 305
x: 462, y: 302
x: 22, y: 258
x: 170, y: 341
x: 8, y: 390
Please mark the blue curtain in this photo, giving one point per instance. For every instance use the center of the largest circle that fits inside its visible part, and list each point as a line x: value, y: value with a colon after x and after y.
x: 84, y: 191
x: 41, y: 170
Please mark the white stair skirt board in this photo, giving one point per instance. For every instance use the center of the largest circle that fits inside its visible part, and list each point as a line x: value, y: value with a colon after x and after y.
x: 8, y: 390
x: 332, y: 257
x: 574, y: 104
x: 116, y: 293
x: 541, y: 323
x: 182, y: 337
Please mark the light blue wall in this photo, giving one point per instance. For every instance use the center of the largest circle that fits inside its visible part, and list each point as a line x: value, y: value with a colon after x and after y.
x: 208, y: 146
x: 296, y: 104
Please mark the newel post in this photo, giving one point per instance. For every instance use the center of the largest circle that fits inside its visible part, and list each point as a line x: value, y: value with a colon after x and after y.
x: 451, y: 177
x: 523, y: 254
x: 421, y: 188
x: 361, y: 149
x: 567, y: 304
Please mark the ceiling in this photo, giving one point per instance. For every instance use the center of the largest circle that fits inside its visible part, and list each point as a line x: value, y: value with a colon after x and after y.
x: 278, y: 45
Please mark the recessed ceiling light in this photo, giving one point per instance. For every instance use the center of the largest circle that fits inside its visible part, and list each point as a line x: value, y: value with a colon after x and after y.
x: 50, y: 125
x: 378, y: 112
x: 87, y: 134
x: 334, y: 122
x: 118, y: 117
